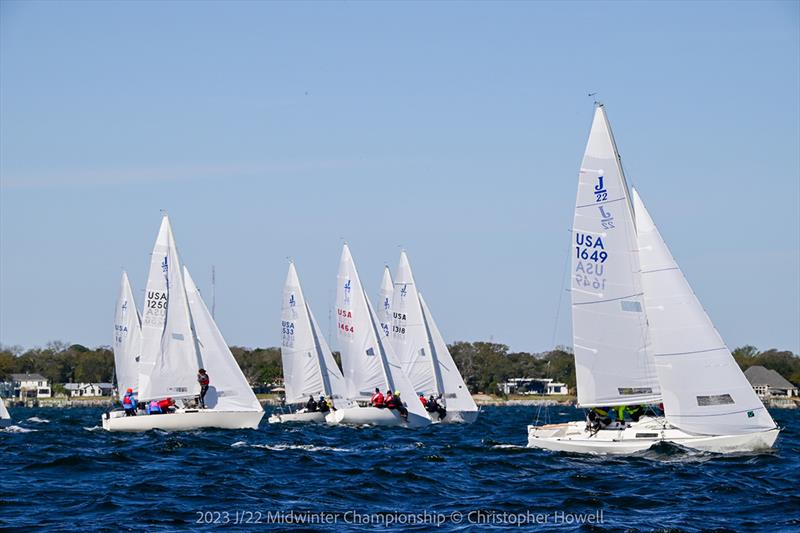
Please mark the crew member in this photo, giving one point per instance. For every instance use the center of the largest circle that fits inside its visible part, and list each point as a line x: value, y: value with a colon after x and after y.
x: 129, y: 403
x: 153, y: 408
x: 394, y: 402
x: 167, y: 405
x: 203, y: 380
x: 377, y: 399
x: 434, y: 406
x: 322, y: 405
x: 311, y: 405
x: 423, y: 400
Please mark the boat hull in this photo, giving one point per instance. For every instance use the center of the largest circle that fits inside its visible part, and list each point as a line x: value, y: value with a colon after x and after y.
x: 639, y: 436
x: 313, y: 418
x: 182, y: 420
x: 360, y: 416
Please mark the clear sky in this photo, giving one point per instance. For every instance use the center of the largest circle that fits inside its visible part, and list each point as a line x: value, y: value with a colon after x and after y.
x: 272, y: 130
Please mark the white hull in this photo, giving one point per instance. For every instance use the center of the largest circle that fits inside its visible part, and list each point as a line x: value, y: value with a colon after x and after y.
x: 314, y: 418
x: 639, y: 436
x: 456, y: 417
x: 182, y: 420
x: 373, y: 416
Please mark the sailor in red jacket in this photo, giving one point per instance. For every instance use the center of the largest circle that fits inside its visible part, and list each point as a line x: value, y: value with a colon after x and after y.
x: 377, y: 399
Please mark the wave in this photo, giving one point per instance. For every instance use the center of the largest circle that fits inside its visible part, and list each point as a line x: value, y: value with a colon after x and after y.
x: 283, y: 447
x: 18, y: 429
x: 38, y: 420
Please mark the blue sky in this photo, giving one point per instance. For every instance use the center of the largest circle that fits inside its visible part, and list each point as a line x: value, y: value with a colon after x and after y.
x: 273, y: 130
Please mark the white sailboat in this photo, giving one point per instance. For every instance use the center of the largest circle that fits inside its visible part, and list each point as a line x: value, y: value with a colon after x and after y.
x: 368, y: 360
x: 640, y: 335
x: 179, y: 336
x: 5, y: 417
x: 309, y: 368
x: 422, y: 351
x: 127, y: 339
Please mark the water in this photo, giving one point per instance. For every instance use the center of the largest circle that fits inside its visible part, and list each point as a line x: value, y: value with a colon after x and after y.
x: 60, y: 471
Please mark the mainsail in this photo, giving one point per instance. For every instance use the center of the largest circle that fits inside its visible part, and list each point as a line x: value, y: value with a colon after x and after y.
x: 609, y: 322
x: 385, y: 295
x: 229, y: 389
x: 127, y: 339
x: 368, y: 360
x: 409, y: 334
x: 309, y: 368
x: 170, y: 359
x: 704, y: 389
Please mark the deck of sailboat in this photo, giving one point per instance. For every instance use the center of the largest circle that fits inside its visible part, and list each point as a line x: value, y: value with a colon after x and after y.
x: 182, y: 420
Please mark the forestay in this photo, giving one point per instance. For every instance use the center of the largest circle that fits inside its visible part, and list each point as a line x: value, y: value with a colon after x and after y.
x: 228, y: 389
x: 613, y: 366
x: 704, y: 389
x: 127, y: 339
x: 309, y: 368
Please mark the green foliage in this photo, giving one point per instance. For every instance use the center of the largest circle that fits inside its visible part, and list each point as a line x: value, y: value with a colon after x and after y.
x: 483, y: 364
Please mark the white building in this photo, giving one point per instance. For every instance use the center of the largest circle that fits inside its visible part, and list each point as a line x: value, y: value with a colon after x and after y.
x: 533, y: 386
x: 89, y: 390
x: 30, y: 386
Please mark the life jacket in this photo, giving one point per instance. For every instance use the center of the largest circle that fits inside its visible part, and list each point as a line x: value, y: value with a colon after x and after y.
x: 154, y: 407
x: 424, y: 401
x: 600, y: 411
x: 128, y: 401
x: 163, y: 405
x: 393, y: 402
x: 202, y: 379
x: 377, y: 399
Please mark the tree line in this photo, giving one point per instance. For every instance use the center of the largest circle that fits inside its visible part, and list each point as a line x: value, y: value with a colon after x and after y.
x: 482, y: 364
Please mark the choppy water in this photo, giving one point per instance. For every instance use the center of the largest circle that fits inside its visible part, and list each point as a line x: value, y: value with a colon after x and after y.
x: 60, y: 471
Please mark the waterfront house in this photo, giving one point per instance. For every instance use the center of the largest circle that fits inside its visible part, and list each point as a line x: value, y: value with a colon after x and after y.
x: 89, y: 390
x: 768, y: 383
x: 533, y: 386
x: 30, y: 386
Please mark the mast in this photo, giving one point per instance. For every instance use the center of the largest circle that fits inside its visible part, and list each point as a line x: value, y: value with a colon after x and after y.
x: 384, y: 362
x: 323, y: 369
x: 437, y: 372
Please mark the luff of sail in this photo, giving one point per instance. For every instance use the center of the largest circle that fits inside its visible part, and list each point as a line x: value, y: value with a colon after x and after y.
x: 704, y: 389
x: 229, y: 389
x: 613, y: 366
x: 309, y: 368
x: 127, y: 339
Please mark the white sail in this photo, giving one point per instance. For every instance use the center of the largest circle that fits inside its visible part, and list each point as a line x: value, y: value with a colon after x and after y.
x: 704, y: 389
x: 612, y: 363
x: 456, y: 394
x: 309, y: 368
x: 385, y: 295
x: 167, y: 368
x: 127, y: 339
x: 368, y: 360
x: 228, y: 389
x: 409, y: 335
x: 4, y: 415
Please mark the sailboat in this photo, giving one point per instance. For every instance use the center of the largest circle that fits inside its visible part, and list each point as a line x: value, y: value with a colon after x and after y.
x: 179, y: 336
x: 127, y: 339
x: 368, y: 360
x: 421, y: 349
x: 640, y: 335
x: 309, y: 368
x: 5, y: 418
